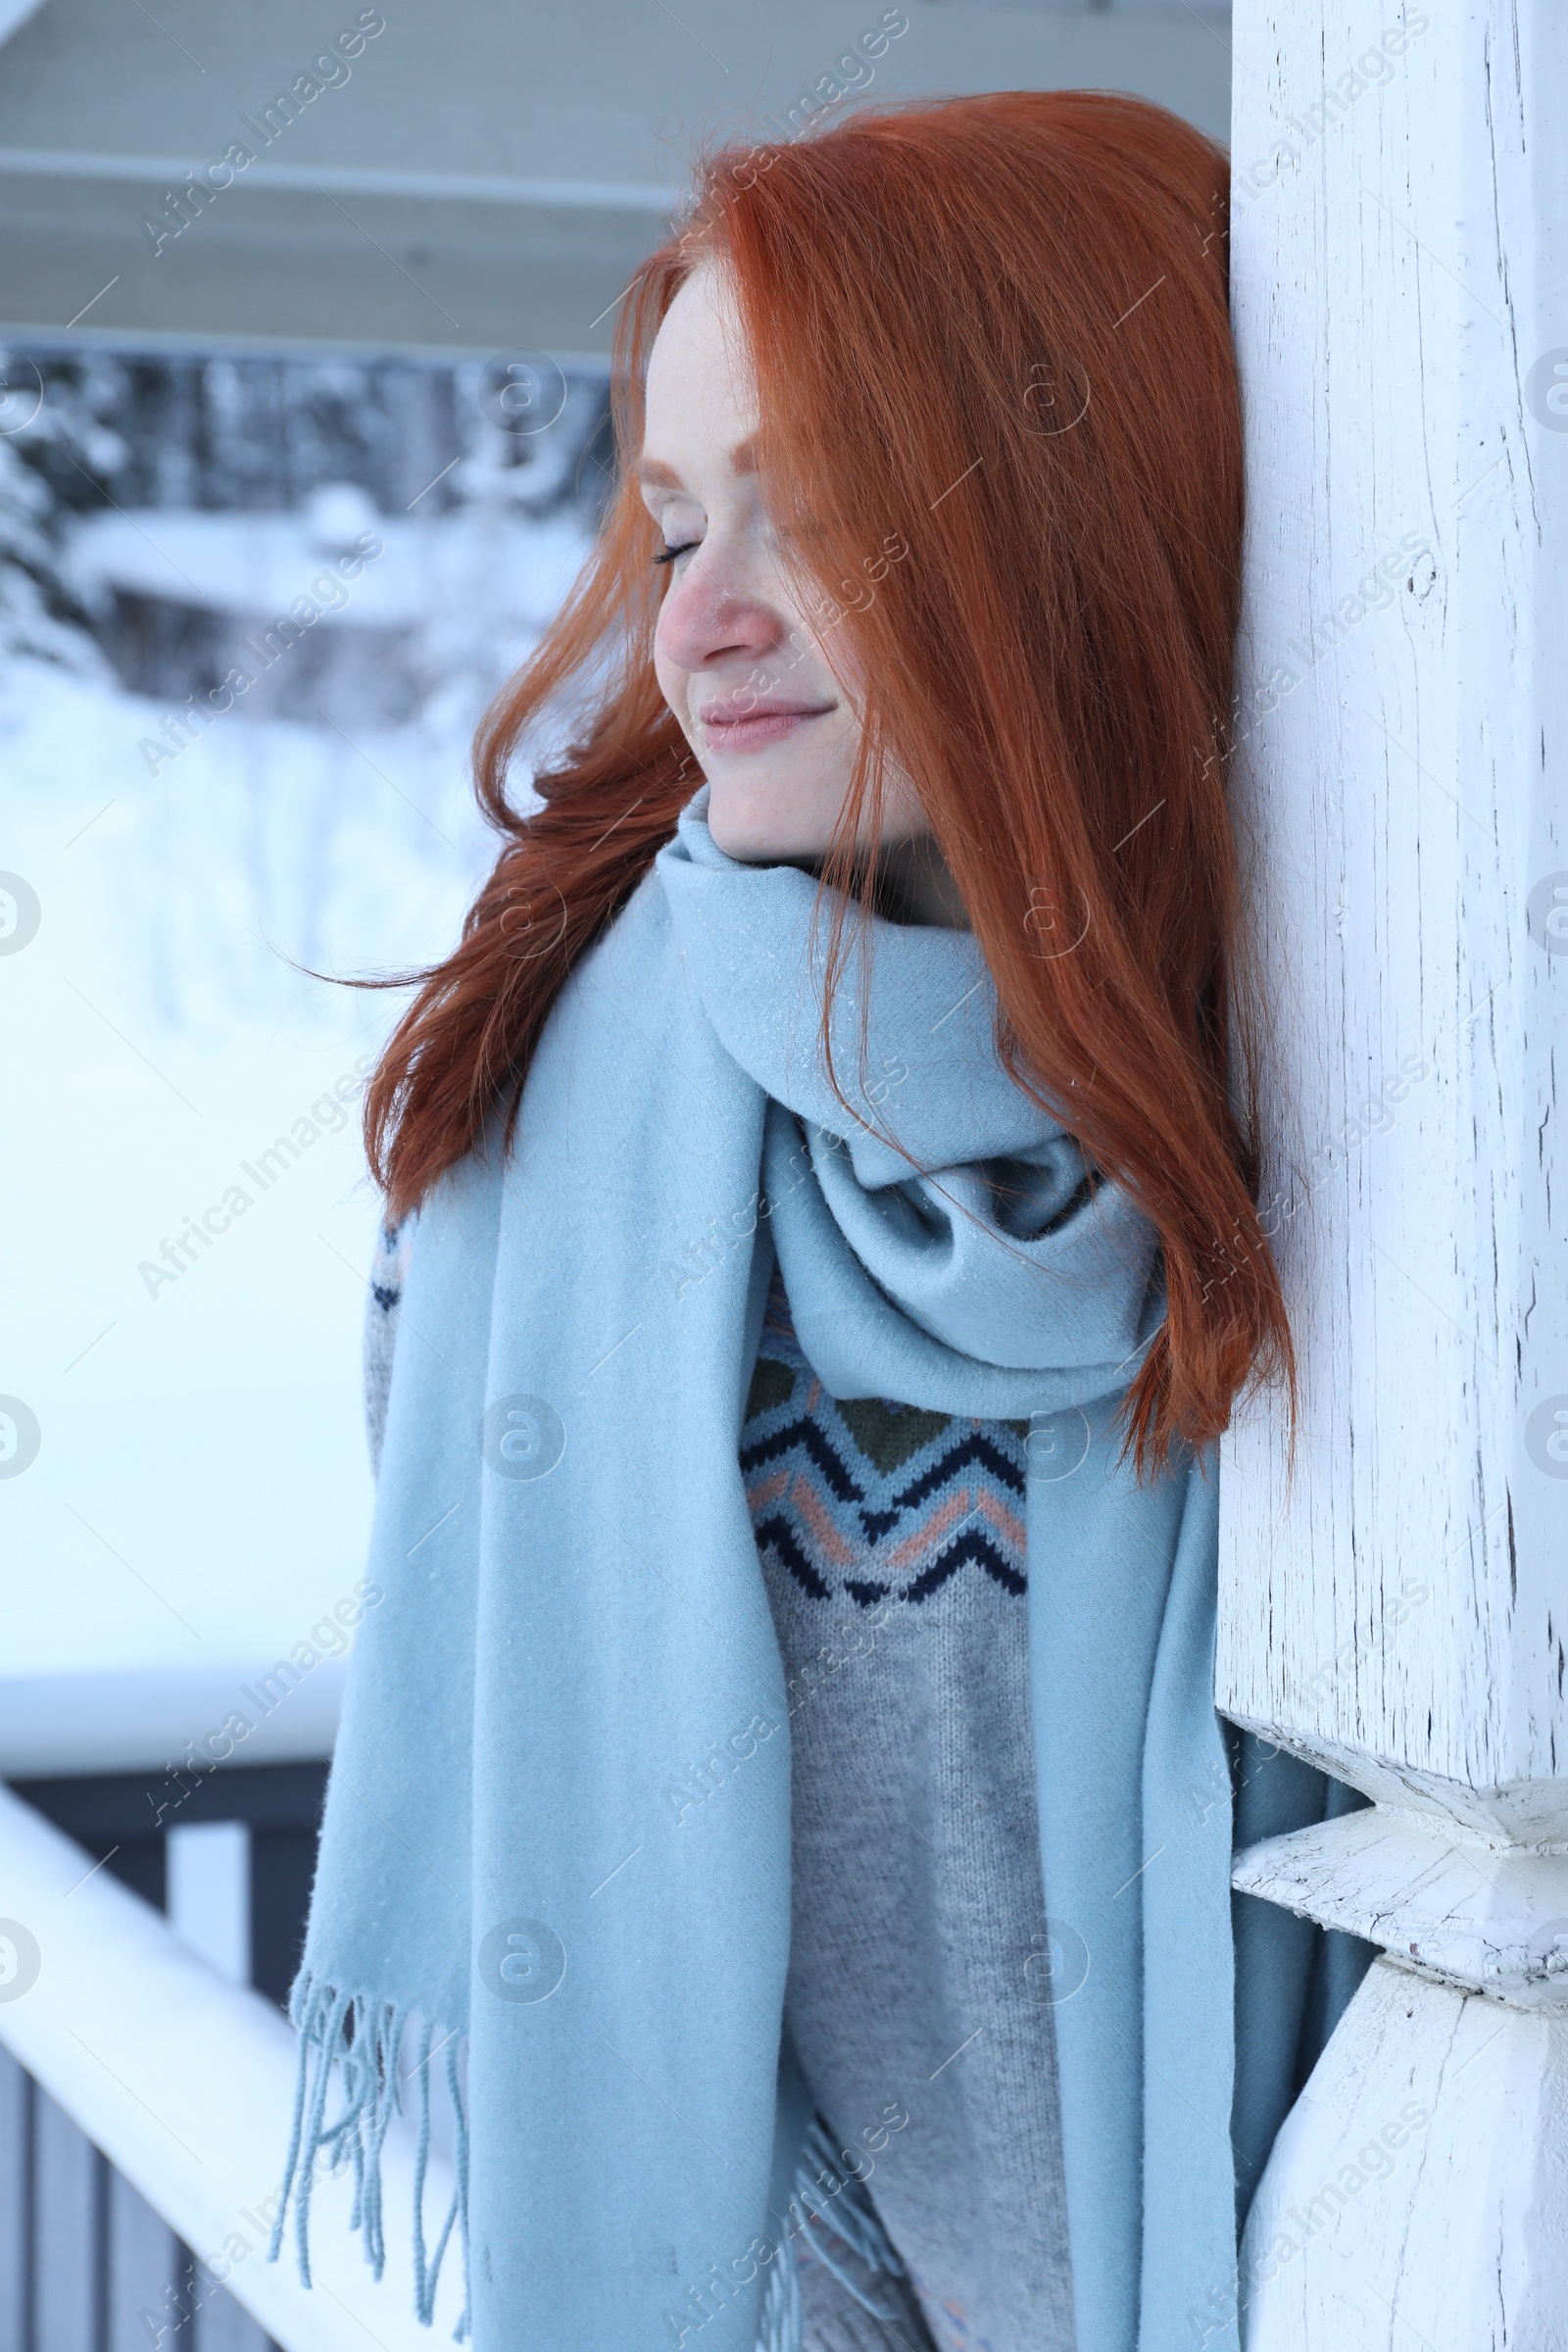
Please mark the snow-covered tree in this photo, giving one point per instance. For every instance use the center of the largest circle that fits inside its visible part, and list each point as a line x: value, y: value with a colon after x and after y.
x: 56, y: 455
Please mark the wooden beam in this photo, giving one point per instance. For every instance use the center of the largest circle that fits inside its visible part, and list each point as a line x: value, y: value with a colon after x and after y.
x: 1397, y: 1608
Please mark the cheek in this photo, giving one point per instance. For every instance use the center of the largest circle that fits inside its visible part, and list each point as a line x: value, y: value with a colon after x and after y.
x: 671, y: 675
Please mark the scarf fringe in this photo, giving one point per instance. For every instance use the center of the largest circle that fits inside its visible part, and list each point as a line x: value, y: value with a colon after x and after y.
x: 780, y: 2324
x: 362, y: 2038
x: 853, y: 2220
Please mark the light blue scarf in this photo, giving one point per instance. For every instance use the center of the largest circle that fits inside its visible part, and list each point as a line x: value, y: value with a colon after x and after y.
x: 575, y: 1614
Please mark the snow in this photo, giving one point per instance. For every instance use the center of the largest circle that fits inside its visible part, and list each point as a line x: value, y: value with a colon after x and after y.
x: 201, y: 1493
x: 259, y: 563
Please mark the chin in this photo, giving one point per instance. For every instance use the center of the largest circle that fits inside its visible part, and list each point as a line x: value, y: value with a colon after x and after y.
x: 762, y: 822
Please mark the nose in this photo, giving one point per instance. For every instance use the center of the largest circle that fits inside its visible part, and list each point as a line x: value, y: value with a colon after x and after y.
x: 707, y: 617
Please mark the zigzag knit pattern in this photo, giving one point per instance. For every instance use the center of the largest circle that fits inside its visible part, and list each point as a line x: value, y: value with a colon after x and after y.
x: 870, y: 1499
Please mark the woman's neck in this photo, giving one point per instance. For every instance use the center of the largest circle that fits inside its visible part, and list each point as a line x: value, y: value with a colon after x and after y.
x: 914, y: 884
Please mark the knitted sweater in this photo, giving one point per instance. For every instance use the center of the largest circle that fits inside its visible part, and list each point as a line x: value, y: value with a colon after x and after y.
x: 921, y: 1969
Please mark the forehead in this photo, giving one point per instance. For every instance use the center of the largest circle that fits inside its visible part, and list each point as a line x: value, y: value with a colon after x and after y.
x: 701, y: 412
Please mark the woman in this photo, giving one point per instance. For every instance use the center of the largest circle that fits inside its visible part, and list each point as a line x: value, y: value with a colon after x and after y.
x: 784, y: 1766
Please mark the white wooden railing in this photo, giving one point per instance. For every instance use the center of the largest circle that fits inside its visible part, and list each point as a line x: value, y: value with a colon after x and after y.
x: 133, y: 2046
x: 1398, y: 1612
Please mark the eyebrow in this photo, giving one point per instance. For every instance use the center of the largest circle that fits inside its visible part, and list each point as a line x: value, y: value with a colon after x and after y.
x: 657, y: 476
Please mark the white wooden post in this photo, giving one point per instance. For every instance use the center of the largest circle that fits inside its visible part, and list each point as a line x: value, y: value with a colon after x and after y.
x: 1398, y: 1611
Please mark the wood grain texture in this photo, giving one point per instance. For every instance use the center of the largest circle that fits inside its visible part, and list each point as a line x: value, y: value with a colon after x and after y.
x: 1401, y: 1609
x: 1488, y: 1919
x: 1416, y: 2194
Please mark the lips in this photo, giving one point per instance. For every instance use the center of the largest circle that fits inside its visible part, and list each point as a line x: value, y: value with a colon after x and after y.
x: 743, y: 724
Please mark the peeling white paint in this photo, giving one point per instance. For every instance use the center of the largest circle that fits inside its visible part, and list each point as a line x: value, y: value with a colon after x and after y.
x: 1403, y: 802
x: 1491, y: 1919
x: 1397, y: 1608
x: 1413, y: 2196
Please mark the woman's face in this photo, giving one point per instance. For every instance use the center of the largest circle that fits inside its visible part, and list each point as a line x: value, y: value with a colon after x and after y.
x: 774, y: 732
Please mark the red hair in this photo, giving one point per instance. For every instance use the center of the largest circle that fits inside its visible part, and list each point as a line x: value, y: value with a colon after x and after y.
x: 995, y: 330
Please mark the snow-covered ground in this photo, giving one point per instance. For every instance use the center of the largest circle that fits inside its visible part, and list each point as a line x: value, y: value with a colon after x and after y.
x: 200, y: 1494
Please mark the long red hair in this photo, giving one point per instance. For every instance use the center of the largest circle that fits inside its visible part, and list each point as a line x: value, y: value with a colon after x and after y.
x: 992, y: 331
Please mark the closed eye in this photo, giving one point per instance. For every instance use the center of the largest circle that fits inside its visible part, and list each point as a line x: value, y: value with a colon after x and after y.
x: 682, y: 548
